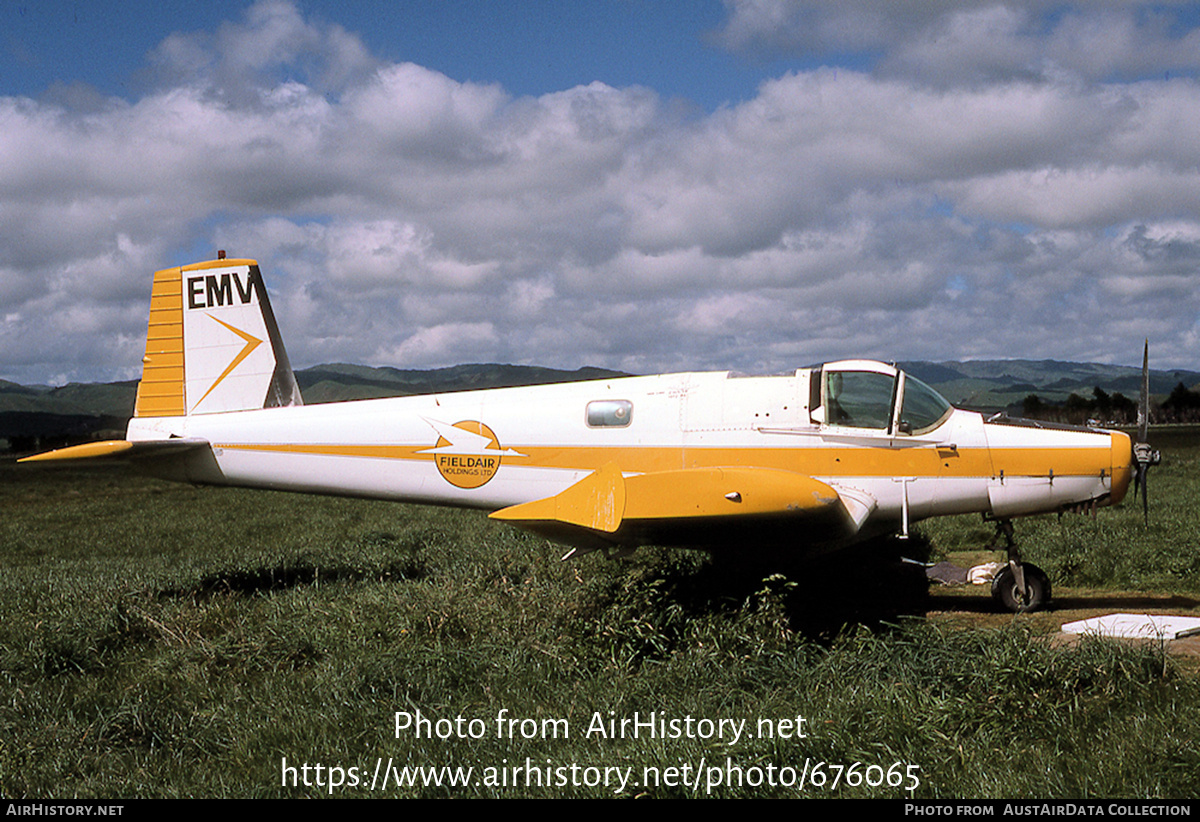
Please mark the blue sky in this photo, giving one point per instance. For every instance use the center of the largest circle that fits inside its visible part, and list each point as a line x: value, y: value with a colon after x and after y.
x: 752, y: 185
x: 531, y: 47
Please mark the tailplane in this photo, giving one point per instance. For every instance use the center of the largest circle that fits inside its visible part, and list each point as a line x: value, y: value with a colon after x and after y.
x: 213, y: 344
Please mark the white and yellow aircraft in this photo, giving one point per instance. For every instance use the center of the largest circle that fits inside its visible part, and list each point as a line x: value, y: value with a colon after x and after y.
x: 816, y: 460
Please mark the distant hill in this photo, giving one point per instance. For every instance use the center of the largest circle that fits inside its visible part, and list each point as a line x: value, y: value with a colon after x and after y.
x: 39, y: 416
x: 993, y: 385
x: 339, y: 382
x: 35, y: 417
x: 111, y: 398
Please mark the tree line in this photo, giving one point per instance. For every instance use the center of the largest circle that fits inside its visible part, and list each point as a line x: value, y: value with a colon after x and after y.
x: 1182, y: 405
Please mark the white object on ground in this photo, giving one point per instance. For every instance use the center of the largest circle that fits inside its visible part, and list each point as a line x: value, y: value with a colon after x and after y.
x: 983, y: 574
x: 1136, y: 626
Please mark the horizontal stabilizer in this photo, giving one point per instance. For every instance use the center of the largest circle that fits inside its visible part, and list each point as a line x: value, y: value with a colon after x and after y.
x: 120, y: 449
x: 657, y: 506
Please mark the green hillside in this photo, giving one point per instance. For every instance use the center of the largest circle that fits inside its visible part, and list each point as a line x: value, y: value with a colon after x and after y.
x: 338, y: 382
x: 994, y: 385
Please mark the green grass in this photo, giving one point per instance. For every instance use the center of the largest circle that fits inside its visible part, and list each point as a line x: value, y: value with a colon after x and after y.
x: 162, y: 640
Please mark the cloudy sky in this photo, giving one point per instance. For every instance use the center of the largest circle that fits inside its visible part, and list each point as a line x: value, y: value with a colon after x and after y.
x: 752, y: 184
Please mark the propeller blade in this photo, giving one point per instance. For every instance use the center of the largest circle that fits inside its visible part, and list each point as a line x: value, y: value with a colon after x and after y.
x: 1143, y: 455
x: 1142, y: 469
x: 1143, y: 414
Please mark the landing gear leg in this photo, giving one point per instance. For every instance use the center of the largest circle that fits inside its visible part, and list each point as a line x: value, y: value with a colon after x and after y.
x: 1022, y: 586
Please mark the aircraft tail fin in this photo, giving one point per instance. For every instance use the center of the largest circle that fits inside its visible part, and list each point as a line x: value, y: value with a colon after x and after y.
x: 213, y: 345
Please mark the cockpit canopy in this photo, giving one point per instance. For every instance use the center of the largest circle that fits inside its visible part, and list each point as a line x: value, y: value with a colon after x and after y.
x: 872, y: 395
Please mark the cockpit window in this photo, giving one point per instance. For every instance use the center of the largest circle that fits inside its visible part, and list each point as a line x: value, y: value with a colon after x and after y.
x: 859, y: 399
x: 923, y: 408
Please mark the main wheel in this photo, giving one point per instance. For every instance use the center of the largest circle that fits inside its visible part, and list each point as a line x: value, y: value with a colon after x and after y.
x: 1035, y: 595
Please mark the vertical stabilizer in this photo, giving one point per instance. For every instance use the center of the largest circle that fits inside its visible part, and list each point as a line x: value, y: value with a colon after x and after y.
x: 212, y: 344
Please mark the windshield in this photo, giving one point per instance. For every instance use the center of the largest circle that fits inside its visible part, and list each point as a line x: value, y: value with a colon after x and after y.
x: 924, y: 409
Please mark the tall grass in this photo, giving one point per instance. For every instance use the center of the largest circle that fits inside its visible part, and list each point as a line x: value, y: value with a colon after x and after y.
x: 163, y: 640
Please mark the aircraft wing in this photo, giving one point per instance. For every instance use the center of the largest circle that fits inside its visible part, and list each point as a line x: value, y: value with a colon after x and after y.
x: 120, y: 449
x: 694, y: 507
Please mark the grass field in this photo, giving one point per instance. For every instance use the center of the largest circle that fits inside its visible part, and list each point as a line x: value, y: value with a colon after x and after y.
x: 162, y: 640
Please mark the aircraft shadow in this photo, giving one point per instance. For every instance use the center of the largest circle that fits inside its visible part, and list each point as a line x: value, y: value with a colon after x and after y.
x: 866, y: 584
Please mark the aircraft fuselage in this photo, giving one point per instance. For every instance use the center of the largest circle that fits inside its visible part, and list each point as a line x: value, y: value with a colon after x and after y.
x: 499, y: 448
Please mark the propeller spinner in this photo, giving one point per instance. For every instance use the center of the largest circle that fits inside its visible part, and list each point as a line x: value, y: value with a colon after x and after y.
x: 1143, y: 455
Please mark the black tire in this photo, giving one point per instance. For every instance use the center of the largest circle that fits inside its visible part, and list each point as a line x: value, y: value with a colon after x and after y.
x: 1004, y: 589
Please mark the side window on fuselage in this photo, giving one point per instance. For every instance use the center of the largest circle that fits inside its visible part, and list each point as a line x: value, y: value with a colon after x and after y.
x: 609, y: 413
x: 859, y: 399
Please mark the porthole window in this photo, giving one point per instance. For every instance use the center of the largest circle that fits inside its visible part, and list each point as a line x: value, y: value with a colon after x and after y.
x: 609, y: 413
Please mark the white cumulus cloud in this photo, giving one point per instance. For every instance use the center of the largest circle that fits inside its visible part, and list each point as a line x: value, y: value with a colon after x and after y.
x: 996, y: 181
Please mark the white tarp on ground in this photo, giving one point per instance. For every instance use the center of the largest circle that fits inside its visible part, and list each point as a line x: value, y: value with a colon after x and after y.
x: 1136, y: 626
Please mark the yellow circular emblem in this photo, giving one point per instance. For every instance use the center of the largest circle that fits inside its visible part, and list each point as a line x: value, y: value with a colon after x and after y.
x: 471, y: 462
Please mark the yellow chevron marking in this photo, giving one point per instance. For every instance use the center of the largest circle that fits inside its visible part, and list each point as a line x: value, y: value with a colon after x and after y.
x: 252, y: 343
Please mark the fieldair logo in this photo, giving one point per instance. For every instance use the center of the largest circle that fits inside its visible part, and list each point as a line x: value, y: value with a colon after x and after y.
x: 467, y: 454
